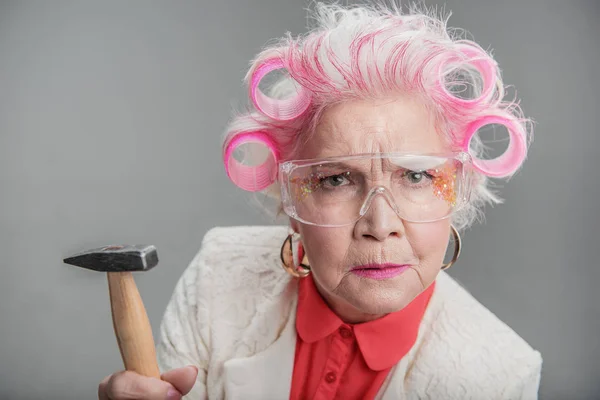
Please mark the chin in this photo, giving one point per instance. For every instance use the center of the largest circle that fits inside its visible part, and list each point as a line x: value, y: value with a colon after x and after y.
x: 385, y: 296
x: 379, y: 301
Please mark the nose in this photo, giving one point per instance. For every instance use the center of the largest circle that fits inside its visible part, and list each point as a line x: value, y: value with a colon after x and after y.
x: 380, y: 218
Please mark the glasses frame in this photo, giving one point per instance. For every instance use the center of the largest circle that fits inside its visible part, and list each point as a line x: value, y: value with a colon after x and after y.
x: 287, y: 167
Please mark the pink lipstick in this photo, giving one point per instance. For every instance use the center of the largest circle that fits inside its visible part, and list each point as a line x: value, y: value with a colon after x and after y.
x: 379, y: 271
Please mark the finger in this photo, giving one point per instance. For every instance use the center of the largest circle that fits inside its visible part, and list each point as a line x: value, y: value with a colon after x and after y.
x: 128, y: 385
x: 182, y: 378
x: 102, y: 388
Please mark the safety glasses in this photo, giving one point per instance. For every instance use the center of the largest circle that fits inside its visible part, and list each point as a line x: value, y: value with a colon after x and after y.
x: 338, y: 191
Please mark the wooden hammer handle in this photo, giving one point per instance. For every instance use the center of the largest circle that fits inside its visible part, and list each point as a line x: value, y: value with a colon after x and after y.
x: 131, y: 324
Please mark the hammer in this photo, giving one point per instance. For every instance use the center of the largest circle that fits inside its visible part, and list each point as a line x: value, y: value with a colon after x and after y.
x: 130, y: 321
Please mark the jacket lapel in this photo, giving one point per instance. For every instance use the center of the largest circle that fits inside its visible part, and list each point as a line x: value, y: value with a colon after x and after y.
x: 393, y: 386
x: 265, y: 375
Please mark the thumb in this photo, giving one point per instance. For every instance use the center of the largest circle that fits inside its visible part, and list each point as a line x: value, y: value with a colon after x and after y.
x: 126, y: 385
x: 182, y: 379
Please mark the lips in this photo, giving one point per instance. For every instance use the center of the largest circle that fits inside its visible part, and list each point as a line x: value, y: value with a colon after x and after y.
x: 379, y: 271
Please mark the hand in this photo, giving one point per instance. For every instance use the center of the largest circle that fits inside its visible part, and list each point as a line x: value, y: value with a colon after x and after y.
x: 128, y: 385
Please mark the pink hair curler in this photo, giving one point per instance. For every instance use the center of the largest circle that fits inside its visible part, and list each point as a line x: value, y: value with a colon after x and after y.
x: 247, y: 177
x: 507, y: 163
x: 486, y: 67
x: 279, y: 109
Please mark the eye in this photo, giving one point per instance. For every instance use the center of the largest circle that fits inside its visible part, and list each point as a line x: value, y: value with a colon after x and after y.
x: 417, y: 177
x: 335, y: 180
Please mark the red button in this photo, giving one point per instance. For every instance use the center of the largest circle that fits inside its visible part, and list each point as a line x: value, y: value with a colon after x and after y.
x: 330, y: 377
x: 345, y: 332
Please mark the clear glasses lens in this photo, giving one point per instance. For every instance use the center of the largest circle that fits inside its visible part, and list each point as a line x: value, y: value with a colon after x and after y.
x: 339, y: 191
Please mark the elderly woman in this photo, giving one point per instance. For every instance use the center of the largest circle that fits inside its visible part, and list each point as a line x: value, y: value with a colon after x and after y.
x: 369, y: 141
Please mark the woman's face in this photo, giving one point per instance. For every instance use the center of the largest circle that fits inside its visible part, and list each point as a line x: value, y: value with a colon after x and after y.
x: 380, y: 236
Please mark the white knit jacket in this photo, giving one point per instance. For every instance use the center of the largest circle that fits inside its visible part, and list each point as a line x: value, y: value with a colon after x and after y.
x: 232, y: 314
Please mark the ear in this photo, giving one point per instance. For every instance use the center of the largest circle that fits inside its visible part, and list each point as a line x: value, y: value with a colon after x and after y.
x: 294, y: 225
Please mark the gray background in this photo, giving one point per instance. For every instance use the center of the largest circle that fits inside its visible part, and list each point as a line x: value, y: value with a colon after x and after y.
x: 111, y: 114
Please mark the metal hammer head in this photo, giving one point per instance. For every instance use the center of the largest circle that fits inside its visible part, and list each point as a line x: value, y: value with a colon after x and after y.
x: 116, y: 258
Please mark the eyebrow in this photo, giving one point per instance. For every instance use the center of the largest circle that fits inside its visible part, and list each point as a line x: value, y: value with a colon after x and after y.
x: 364, y: 167
x: 412, y: 163
x: 334, y: 165
x: 417, y: 163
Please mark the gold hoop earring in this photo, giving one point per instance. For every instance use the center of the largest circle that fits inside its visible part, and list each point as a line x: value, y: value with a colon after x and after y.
x: 287, y: 259
x: 457, y: 245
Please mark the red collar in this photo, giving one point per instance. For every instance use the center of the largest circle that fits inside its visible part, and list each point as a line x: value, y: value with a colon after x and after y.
x: 382, y: 342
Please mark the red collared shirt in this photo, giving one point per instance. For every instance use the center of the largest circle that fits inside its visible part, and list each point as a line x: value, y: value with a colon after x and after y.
x: 335, y: 360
